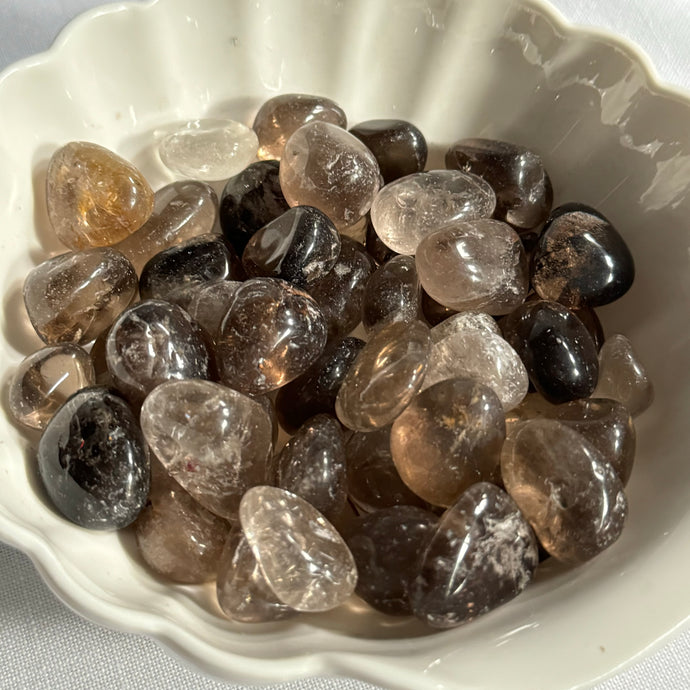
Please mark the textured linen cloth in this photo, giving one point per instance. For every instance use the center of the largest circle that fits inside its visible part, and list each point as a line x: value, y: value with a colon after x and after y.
x: 45, y: 646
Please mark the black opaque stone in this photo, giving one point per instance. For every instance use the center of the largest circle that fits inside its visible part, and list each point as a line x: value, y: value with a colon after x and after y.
x: 398, y: 146
x: 250, y: 200
x: 300, y: 246
x: 93, y: 461
x: 556, y: 348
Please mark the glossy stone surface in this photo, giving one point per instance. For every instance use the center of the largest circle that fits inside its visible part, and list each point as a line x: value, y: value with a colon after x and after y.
x: 182, y: 210
x: 464, y: 319
x: 476, y: 265
x: 622, y: 376
x: 377, y: 249
x: 556, y: 348
x: 300, y: 246
x: 410, y: 208
x: 45, y: 379
x: 399, y: 147
x: 153, y: 342
x: 72, y: 297
x: 272, y: 333
x: 482, y: 555
x: 303, y: 558
x: 208, y: 303
x: 312, y: 465
x: 581, y: 259
x: 448, y: 438
x: 326, y: 167
x: 209, y: 149
x: 373, y: 482
x: 523, y: 190
x: 198, y: 261
x: 93, y: 462
x: 177, y: 537
x: 315, y: 391
x: 386, y: 547
x: 211, y: 439
x: 340, y: 292
x: 250, y: 200
x: 279, y: 117
x: 94, y: 197
x: 242, y: 591
x: 386, y: 375
x: 573, y: 499
x: 589, y: 317
x: 434, y: 313
x: 393, y: 293
x: 479, y: 354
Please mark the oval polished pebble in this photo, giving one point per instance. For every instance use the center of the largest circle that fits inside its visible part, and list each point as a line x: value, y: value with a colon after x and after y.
x: 556, y: 348
x: 182, y: 210
x: 153, y: 342
x: 45, y: 379
x: 211, y: 439
x: 72, y: 297
x: 573, y: 499
x: 479, y: 265
x: 177, y: 537
x: 300, y: 246
x: 392, y: 293
x: 279, y: 117
x: 592, y: 323
x: 405, y: 211
x: 464, y: 319
x: 312, y: 465
x: 448, y: 438
x: 315, y: 391
x: 523, y: 190
x: 94, y: 197
x: 482, y: 555
x: 272, y: 333
x: 386, y: 547
x: 325, y: 166
x: 303, y: 558
x: 386, y: 375
x: 581, y: 259
x: 209, y: 149
x: 208, y: 303
x: 399, y: 147
x: 93, y: 462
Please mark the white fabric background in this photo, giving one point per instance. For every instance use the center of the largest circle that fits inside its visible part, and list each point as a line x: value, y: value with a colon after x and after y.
x: 45, y: 646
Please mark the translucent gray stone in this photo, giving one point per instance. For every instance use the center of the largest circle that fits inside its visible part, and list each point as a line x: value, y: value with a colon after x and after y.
x: 464, y: 319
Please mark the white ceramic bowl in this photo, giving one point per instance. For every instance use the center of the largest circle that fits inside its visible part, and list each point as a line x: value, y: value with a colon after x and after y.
x: 610, y: 136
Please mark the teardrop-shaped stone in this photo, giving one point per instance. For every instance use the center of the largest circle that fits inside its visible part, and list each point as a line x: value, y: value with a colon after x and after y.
x: 209, y: 149
x: 325, y: 166
x: 95, y: 198
x: 393, y: 293
x: 304, y: 559
x: 315, y: 391
x: 211, y: 439
x: 72, y: 297
x: 272, y: 333
x: 386, y: 375
x: 279, y: 117
x: 45, y: 379
x: 182, y: 210
x: 399, y: 147
x: 208, y: 303
x: 312, y: 465
x: 622, y: 376
x: 556, y: 348
x: 93, y: 462
x: 177, y: 537
x: 404, y: 212
x: 153, y: 342
x: 573, y: 499
x: 581, y: 259
x: 464, y: 319
x: 523, y: 190
x: 448, y: 438
x: 482, y: 555
x: 386, y: 547
x: 300, y: 246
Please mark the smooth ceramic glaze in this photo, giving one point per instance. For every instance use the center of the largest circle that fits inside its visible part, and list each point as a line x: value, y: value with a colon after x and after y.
x: 609, y: 135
